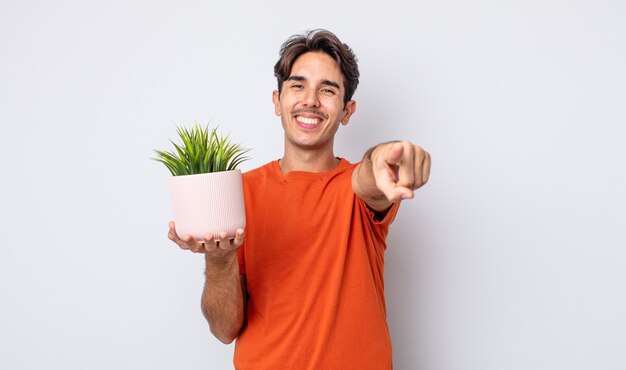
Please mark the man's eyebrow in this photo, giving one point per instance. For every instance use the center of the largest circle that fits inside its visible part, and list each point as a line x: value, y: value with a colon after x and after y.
x: 331, y: 83
x: 296, y: 78
x: 324, y: 82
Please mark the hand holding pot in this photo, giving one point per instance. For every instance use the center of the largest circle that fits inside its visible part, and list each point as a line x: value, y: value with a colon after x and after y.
x: 215, y: 247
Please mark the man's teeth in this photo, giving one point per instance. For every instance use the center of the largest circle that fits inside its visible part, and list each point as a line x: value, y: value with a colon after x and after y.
x: 309, y: 121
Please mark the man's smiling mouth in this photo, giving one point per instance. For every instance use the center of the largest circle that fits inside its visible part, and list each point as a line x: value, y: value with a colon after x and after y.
x: 308, y: 118
x: 309, y: 121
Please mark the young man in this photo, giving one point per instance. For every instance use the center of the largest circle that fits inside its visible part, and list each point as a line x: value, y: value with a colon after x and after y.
x: 305, y: 289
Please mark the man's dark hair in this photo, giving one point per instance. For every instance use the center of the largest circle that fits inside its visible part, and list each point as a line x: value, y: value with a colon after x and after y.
x: 319, y: 41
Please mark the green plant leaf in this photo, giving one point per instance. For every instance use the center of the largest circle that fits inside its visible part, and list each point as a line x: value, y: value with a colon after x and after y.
x: 201, y: 150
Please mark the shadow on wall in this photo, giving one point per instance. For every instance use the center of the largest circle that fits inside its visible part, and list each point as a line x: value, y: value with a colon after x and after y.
x: 406, y: 265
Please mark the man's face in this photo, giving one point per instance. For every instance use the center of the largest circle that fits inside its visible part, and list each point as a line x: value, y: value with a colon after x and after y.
x: 311, y: 102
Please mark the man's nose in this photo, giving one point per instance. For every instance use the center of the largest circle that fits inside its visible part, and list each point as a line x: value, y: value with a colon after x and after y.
x: 311, y: 99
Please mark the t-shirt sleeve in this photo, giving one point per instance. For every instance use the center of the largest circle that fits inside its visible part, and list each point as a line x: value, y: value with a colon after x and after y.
x: 375, y: 217
x: 376, y: 225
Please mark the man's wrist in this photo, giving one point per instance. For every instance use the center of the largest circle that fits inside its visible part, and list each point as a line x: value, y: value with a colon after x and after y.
x: 222, y: 265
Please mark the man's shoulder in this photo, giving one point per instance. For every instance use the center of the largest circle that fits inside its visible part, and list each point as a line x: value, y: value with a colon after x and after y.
x: 258, y: 173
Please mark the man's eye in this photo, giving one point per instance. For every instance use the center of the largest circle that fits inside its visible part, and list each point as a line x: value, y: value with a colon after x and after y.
x: 328, y: 91
x: 297, y: 86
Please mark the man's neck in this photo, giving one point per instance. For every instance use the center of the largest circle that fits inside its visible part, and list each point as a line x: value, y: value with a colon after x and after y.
x: 308, y: 162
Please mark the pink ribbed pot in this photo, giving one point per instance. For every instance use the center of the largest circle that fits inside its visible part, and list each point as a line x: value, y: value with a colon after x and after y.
x: 208, y: 203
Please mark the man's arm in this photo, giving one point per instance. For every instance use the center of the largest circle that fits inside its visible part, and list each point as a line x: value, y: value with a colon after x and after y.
x: 224, y: 293
x: 389, y: 172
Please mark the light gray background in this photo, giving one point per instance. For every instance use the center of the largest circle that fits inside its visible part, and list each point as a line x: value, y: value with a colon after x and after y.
x: 512, y: 257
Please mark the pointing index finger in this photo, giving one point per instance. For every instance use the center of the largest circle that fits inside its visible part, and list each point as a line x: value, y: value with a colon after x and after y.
x: 406, y: 169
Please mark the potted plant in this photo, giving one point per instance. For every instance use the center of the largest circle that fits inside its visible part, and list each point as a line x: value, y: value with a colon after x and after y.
x: 206, y: 188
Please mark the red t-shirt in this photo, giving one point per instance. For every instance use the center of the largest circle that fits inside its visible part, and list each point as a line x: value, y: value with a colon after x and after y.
x: 313, y: 257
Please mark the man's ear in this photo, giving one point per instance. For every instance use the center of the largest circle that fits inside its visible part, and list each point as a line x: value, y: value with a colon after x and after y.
x: 348, y: 111
x: 276, y: 101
